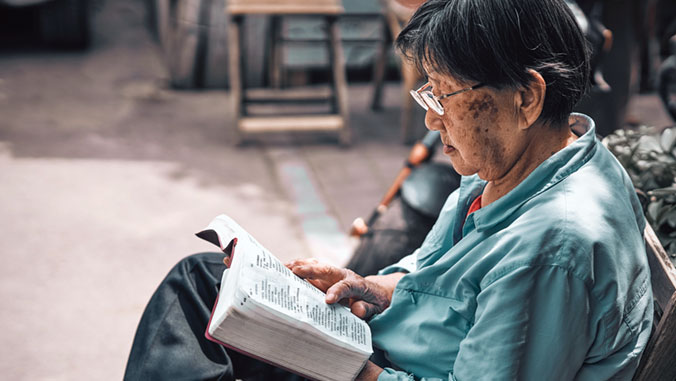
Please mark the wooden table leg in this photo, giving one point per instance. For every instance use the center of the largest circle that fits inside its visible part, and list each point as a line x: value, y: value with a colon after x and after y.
x: 339, y: 80
x: 234, y: 61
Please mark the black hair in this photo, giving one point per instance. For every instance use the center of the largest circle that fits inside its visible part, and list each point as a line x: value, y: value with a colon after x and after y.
x: 496, y: 42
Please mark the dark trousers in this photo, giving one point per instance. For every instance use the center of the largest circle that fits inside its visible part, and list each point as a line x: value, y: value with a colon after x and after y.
x: 170, y: 342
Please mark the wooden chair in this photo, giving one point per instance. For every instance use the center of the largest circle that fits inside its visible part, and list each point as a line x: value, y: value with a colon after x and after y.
x: 337, y: 120
x: 396, y: 16
x: 659, y: 358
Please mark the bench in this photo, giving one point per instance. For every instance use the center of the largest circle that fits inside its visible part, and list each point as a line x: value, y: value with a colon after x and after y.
x: 658, y: 360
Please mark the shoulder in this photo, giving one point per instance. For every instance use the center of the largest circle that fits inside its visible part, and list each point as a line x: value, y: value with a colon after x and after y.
x: 584, y: 221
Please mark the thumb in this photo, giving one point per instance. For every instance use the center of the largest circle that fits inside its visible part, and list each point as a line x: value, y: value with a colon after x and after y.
x: 227, y: 261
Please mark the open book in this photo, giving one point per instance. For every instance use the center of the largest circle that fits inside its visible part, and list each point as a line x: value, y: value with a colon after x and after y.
x: 267, y: 312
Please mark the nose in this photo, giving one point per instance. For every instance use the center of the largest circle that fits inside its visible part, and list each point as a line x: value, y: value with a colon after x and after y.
x: 433, y: 120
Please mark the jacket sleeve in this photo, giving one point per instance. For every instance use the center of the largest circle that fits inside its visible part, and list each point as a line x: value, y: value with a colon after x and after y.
x: 523, y: 329
x: 530, y: 323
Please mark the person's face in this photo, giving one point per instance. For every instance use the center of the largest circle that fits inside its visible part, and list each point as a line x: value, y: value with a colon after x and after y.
x: 479, y: 129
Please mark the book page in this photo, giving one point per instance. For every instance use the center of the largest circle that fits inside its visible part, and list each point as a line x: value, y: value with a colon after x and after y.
x: 224, y: 300
x: 268, y: 282
x: 221, y: 232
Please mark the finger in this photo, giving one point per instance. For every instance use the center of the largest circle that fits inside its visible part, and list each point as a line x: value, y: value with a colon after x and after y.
x: 364, y: 310
x: 300, y: 262
x: 319, y: 271
x: 373, y: 299
x: 227, y: 261
x: 317, y: 283
x: 344, y: 289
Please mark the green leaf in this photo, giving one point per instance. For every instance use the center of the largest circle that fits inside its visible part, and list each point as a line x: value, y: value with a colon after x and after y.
x: 654, y: 210
x: 663, y: 192
x: 650, y: 160
x: 649, y: 144
x: 642, y: 165
x: 667, y: 216
x: 668, y: 139
x: 672, y: 249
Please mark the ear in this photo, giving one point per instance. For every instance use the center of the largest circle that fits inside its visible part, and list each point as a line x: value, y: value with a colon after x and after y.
x: 530, y: 99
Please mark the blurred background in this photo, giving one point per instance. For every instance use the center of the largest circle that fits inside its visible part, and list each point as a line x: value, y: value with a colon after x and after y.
x: 119, y: 140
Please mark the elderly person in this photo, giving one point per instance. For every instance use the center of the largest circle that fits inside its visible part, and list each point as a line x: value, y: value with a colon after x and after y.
x: 536, y: 267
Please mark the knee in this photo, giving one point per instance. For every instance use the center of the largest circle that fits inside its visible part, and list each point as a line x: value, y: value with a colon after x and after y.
x: 201, y: 262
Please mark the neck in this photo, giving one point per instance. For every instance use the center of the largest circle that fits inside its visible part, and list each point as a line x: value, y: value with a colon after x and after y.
x: 541, y: 142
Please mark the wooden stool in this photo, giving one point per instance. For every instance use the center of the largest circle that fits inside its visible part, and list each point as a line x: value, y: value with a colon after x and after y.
x: 336, y: 96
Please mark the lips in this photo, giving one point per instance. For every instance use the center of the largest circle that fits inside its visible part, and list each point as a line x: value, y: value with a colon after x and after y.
x: 448, y: 148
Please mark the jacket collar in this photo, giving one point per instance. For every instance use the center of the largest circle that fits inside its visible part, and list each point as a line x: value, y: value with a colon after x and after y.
x: 550, y: 172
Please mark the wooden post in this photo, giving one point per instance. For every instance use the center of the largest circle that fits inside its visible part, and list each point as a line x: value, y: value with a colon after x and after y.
x: 235, y: 60
x: 410, y: 79
x: 339, y: 80
x: 380, y: 68
x: 276, y: 56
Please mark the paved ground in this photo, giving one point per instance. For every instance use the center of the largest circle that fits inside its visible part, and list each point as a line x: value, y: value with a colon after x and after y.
x: 105, y: 175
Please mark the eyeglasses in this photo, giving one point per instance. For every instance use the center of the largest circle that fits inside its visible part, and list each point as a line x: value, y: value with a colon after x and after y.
x: 427, y: 100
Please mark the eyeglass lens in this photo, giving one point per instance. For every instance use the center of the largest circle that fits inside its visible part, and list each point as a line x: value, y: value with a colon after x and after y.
x: 431, y: 102
x: 418, y: 98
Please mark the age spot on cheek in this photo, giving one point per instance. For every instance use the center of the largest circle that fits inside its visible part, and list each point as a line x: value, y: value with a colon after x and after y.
x: 459, y: 115
x: 485, y: 104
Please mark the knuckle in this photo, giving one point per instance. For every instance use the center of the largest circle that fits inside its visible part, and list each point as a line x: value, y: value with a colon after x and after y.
x: 343, y: 285
x: 343, y: 289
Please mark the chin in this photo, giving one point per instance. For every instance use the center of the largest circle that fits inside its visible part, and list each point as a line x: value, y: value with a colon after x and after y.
x: 462, y: 170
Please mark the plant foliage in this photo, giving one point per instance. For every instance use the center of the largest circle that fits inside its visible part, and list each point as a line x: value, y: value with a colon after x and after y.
x: 650, y: 160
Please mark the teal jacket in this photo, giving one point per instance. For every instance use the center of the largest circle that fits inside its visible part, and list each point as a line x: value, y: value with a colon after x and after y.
x: 549, y: 282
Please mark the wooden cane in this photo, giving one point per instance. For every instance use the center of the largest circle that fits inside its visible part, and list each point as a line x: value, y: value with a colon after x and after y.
x: 420, y: 152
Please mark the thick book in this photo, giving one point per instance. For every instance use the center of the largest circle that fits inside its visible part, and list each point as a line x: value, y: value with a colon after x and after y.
x: 267, y: 312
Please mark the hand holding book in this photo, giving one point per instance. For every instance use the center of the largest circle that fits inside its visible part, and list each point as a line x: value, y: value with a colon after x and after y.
x: 366, y: 298
x: 266, y: 311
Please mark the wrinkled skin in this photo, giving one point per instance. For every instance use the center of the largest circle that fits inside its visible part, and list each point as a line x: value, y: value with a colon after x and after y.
x: 495, y: 133
x: 365, y: 297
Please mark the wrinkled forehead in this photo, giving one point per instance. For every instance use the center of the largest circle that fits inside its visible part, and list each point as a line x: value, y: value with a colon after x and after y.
x: 436, y: 75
